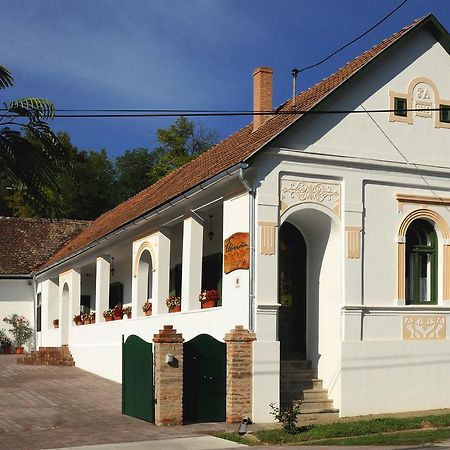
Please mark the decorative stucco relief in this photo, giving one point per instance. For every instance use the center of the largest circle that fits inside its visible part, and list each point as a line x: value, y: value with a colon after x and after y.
x: 295, y: 192
x: 267, y: 238
x: 353, y: 242
x: 424, y: 327
x: 422, y: 100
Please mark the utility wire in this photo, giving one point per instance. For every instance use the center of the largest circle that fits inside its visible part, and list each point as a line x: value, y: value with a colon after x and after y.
x: 232, y: 113
x: 354, y: 40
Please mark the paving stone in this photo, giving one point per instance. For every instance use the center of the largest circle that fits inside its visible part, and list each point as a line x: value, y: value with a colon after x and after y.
x: 61, y: 406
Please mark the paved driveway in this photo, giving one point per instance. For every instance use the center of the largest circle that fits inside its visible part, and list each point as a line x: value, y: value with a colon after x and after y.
x: 47, y: 407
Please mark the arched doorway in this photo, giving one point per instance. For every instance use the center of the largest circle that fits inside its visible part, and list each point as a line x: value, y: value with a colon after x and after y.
x: 292, y: 291
x: 65, y: 319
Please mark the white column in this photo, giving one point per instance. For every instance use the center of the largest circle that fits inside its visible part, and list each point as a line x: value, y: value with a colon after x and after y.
x: 191, y: 277
x: 75, y: 297
x: 161, y: 274
x: 50, y: 306
x: 102, y: 281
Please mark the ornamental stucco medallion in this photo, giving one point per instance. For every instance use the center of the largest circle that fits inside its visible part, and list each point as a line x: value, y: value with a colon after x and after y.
x: 424, y: 327
x: 296, y: 192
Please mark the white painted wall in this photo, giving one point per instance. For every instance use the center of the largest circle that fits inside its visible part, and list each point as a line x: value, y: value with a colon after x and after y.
x: 16, y: 297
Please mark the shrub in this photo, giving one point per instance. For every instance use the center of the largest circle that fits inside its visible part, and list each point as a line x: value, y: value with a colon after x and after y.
x: 20, y: 329
x: 287, y: 416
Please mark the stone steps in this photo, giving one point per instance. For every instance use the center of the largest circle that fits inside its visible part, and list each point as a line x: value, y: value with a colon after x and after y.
x: 48, y: 356
x: 299, y: 384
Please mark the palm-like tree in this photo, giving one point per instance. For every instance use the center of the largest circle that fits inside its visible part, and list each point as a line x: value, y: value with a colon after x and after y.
x: 30, y: 153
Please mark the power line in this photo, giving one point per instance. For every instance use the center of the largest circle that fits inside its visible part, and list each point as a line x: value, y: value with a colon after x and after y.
x: 142, y: 113
x: 232, y: 113
x: 353, y: 40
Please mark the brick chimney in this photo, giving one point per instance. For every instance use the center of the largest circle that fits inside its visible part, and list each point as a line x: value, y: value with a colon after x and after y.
x: 262, y: 94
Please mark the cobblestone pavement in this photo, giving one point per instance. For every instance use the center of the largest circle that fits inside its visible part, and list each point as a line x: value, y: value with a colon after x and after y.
x: 48, y: 407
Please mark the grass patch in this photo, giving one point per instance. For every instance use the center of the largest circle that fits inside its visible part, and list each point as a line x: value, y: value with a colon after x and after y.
x: 400, y: 438
x: 371, y: 431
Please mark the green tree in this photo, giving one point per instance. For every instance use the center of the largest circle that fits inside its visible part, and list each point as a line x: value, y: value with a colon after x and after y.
x: 132, y: 172
x: 31, y: 156
x: 93, y: 190
x: 180, y: 143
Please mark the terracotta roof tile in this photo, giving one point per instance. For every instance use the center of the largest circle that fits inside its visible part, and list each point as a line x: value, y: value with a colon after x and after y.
x: 27, y: 243
x: 232, y: 150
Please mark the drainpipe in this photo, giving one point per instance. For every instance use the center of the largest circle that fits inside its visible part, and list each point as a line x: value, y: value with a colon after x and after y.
x: 34, y: 286
x: 251, y: 273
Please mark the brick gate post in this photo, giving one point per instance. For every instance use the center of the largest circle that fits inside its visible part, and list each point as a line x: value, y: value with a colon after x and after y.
x: 239, y: 373
x: 168, y: 377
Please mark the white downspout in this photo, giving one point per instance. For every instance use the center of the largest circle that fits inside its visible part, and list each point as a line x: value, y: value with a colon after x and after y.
x: 251, y: 272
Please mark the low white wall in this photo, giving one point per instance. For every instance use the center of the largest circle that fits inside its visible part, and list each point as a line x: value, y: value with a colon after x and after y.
x: 392, y: 375
x: 97, y: 347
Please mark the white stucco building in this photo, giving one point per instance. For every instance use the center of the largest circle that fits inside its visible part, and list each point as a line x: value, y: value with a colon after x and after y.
x: 344, y: 218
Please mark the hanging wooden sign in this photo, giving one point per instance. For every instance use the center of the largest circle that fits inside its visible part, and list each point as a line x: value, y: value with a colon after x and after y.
x: 236, y: 254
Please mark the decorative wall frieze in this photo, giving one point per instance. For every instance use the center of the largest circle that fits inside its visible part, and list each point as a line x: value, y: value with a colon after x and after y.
x: 424, y: 327
x: 296, y: 192
x: 423, y: 97
x: 267, y: 238
x: 353, y: 242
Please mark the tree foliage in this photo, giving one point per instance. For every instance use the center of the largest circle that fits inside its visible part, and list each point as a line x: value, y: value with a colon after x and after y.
x: 30, y: 153
x: 97, y: 183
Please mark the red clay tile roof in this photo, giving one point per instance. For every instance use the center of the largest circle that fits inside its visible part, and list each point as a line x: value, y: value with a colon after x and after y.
x: 25, y: 244
x: 234, y: 149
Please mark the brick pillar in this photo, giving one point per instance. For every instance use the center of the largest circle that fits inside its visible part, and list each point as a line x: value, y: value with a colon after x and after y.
x: 168, y: 377
x: 239, y: 373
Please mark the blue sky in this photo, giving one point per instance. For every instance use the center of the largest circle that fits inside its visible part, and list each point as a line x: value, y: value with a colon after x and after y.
x: 196, y: 54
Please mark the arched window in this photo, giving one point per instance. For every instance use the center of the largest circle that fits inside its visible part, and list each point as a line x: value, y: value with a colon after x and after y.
x: 421, y: 263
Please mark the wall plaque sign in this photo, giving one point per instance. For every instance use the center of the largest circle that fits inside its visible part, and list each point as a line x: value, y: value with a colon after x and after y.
x: 236, y: 254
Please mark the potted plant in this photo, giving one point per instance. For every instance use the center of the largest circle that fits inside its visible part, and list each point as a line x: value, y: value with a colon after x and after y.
x: 127, y: 311
x: 85, y: 318
x: 56, y: 323
x: 5, y: 342
x: 208, y: 298
x: 108, y: 315
x: 173, y: 303
x: 92, y: 316
x: 147, y: 308
x: 118, y: 312
x: 78, y: 319
x: 21, y: 330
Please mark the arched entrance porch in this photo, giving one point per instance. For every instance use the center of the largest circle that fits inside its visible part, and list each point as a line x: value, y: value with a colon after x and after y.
x: 309, y: 279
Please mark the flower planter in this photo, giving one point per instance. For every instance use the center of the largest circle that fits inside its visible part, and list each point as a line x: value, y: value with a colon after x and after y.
x: 79, y: 322
x: 19, y: 350
x: 209, y: 304
x: 118, y: 317
x: 148, y: 313
x: 7, y: 351
x: 109, y: 318
x: 87, y: 322
x: 56, y: 325
x: 176, y: 308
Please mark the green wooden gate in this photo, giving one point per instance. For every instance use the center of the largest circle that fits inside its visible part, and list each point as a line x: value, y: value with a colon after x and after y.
x: 137, y: 378
x: 204, y: 384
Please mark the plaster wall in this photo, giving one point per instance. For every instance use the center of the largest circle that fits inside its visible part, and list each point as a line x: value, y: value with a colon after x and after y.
x: 372, y: 135
x: 97, y: 347
x: 16, y: 297
x: 392, y: 375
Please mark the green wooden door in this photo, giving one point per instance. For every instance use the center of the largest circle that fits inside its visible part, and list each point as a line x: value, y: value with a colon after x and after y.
x: 137, y: 378
x: 204, y: 385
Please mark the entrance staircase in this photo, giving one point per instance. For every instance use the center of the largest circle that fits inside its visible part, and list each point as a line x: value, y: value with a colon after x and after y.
x: 299, y: 383
x: 48, y: 356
